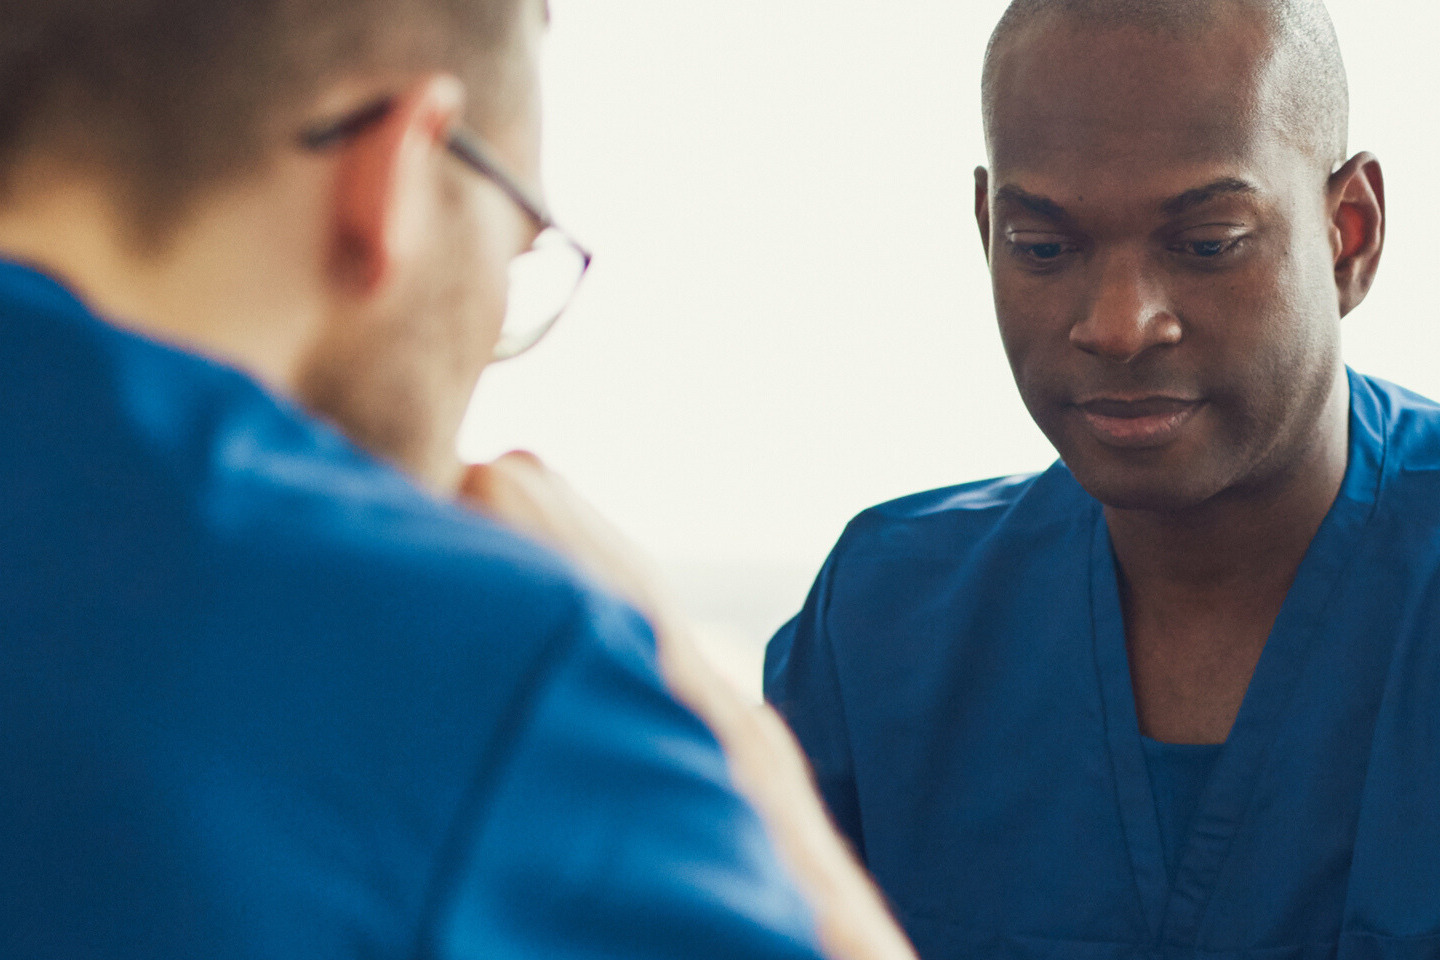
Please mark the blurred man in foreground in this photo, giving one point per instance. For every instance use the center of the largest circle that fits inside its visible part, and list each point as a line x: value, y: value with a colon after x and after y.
x: 1176, y: 696
x: 264, y: 696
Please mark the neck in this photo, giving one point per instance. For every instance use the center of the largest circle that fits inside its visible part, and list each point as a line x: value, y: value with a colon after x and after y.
x: 199, y: 291
x: 1245, y: 542
x: 243, y: 280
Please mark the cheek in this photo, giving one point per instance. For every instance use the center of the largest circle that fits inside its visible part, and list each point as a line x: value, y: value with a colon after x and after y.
x: 1277, y: 319
x: 1015, y: 309
x: 1034, y: 324
x: 1269, y: 343
x: 496, y: 237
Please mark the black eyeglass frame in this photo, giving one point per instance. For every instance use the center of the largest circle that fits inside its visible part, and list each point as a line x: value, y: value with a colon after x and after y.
x: 467, y: 147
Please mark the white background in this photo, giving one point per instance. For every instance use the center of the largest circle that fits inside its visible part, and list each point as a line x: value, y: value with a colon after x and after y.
x: 789, y: 317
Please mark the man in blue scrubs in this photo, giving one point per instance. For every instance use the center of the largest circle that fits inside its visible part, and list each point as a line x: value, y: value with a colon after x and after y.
x: 1179, y: 695
x: 262, y: 694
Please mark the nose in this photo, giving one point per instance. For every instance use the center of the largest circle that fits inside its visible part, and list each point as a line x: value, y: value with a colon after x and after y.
x: 1128, y: 313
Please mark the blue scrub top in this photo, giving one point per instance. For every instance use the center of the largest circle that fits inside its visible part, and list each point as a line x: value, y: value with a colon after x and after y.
x: 1179, y: 773
x: 959, y: 679
x: 261, y: 697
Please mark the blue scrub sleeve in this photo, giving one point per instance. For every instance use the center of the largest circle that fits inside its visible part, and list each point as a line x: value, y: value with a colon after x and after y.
x: 802, y: 683
x: 614, y: 831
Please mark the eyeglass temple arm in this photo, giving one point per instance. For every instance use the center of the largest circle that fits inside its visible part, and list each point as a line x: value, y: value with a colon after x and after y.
x: 470, y: 151
x: 463, y: 144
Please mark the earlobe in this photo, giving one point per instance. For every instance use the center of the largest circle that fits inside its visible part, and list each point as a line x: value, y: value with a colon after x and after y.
x: 1357, y: 227
x: 982, y: 208
x: 382, y: 195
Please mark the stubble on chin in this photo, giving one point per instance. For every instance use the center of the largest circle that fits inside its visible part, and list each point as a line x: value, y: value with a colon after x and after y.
x: 396, y: 380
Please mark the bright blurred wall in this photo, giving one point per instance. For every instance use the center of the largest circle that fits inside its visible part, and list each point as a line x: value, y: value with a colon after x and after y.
x: 789, y: 317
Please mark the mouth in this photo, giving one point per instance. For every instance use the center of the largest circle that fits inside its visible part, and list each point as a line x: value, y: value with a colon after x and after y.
x: 1137, y: 423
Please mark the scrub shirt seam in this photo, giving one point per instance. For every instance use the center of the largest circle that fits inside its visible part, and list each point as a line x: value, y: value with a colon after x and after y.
x: 453, y: 853
x: 1377, y: 492
x: 1255, y: 784
x: 1375, y: 733
x: 1097, y: 517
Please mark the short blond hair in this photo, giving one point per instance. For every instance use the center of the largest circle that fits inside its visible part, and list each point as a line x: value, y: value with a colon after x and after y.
x: 167, y: 97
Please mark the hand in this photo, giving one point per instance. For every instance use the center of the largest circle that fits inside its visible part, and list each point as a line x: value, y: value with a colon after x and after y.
x: 522, y: 493
x: 766, y: 763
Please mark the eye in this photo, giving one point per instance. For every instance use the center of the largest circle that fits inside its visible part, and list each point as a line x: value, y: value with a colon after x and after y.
x: 1216, y: 248
x: 1039, y: 252
x: 1209, y: 248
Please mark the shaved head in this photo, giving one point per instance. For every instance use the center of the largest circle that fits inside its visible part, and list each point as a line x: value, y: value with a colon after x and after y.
x: 1307, y: 94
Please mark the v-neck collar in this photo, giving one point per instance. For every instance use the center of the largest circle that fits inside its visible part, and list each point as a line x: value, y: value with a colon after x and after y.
x: 1174, y: 911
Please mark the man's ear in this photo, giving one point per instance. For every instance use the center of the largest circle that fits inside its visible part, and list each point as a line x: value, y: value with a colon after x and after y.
x: 1357, y: 227
x: 384, y: 190
x: 982, y: 207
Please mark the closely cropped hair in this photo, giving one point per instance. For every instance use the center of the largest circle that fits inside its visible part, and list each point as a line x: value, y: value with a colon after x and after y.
x: 1316, y: 106
x: 164, y: 98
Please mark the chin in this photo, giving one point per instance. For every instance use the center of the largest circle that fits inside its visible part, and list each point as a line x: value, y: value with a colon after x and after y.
x: 1159, y: 484
x: 1148, y: 498
x: 1172, y: 477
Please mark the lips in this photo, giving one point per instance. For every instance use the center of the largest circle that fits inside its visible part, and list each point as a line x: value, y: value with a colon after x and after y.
x: 1137, y: 423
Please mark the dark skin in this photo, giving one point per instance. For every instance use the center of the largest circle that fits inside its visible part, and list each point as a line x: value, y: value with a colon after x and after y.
x: 1171, y: 262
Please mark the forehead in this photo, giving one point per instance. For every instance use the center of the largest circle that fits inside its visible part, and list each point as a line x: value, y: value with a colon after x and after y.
x: 1127, y: 103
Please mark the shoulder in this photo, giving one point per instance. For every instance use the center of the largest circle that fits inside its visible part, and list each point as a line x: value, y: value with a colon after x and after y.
x: 357, y: 547
x: 259, y: 593
x: 258, y: 487
x: 1408, y: 422
x: 1401, y: 429
x: 897, y: 561
x: 941, y: 523
x: 611, y: 793
x: 171, y: 488
x: 1396, y: 399
x: 163, y: 488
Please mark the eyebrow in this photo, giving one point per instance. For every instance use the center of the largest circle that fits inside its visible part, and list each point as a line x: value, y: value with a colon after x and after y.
x: 1174, y: 207
x: 1225, y: 186
x: 1036, y: 204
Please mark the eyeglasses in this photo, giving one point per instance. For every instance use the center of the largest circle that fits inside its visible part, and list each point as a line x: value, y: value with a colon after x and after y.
x: 543, y: 279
